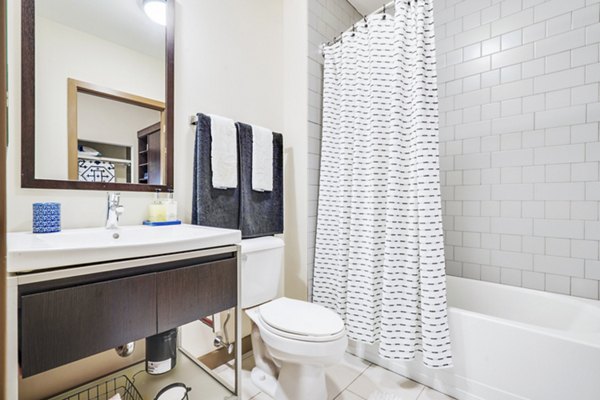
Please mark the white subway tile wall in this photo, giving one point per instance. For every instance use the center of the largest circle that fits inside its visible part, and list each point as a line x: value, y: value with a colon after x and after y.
x: 519, y: 145
x: 326, y: 19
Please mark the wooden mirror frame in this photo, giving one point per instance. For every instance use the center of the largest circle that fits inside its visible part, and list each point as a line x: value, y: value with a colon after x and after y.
x: 28, y: 179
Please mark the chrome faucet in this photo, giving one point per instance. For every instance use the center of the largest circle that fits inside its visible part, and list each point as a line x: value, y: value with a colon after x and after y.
x: 114, y: 209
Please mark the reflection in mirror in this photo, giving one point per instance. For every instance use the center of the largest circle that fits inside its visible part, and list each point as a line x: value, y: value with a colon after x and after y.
x: 114, y: 136
x: 99, y: 92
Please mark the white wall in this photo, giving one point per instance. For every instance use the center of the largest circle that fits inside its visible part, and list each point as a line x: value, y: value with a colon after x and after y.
x: 94, y: 122
x: 520, y: 152
x: 228, y: 62
x: 62, y: 53
x: 295, y: 141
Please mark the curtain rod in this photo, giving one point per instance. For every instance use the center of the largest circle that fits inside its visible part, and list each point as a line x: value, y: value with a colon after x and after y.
x: 382, y: 9
x: 386, y: 6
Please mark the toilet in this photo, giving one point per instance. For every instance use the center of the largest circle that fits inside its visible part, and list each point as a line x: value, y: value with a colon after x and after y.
x: 293, y: 341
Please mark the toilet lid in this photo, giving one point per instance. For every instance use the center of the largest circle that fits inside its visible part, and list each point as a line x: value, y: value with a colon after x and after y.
x: 301, y: 318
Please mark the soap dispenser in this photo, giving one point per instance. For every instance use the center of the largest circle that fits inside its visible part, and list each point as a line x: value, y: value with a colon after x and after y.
x: 157, y: 210
x: 171, y: 207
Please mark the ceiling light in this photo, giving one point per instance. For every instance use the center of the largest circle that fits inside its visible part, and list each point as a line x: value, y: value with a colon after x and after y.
x: 156, y: 10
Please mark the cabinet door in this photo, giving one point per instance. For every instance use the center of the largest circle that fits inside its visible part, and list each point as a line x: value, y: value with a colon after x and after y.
x: 65, y: 325
x: 187, y: 294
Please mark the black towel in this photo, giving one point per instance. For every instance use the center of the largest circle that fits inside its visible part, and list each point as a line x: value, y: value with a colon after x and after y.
x: 261, y: 213
x: 211, y: 207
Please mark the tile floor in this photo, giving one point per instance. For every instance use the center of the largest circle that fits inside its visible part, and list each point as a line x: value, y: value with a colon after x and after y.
x: 352, y: 379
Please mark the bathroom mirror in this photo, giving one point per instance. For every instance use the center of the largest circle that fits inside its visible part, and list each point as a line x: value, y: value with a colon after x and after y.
x: 97, y: 94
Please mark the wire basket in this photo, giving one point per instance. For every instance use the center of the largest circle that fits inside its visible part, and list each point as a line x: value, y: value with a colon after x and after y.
x: 103, y: 391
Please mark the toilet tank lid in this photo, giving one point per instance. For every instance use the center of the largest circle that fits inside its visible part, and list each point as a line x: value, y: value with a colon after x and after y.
x: 261, y: 243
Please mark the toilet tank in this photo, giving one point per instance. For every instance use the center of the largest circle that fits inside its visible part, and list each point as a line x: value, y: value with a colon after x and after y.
x: 262, y: 270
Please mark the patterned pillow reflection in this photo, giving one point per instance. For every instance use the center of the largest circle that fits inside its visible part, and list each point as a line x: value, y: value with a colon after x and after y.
x: 96, y: 171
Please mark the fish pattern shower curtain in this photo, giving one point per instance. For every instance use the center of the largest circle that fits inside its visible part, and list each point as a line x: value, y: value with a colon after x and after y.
x: 379, y: 259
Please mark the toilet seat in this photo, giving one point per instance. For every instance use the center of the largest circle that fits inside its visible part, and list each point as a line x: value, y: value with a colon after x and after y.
x: 301, y: 320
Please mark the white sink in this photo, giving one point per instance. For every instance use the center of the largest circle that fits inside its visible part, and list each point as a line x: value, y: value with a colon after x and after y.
x: 29, y: 252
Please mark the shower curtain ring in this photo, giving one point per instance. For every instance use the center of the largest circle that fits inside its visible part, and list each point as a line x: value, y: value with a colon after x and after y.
x: 353, y: 30
x: 383, y: 11
x: 365, y: 19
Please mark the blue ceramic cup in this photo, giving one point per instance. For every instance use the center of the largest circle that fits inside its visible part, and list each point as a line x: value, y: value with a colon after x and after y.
x: 46, y: 217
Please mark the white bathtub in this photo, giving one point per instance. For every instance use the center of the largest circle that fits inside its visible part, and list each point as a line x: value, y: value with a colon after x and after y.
x: 512, y: 343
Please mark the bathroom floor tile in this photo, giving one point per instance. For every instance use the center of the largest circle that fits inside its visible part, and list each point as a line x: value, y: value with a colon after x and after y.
x: 376, y: 378
x: 348, y: 395
x: 339, y: 376
x: 227, y: 372
x: 431, y: 394
x: 262, y: 396
x: 352, y: 379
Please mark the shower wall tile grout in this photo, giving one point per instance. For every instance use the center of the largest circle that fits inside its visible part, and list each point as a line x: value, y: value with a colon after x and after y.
x: 519, y: 110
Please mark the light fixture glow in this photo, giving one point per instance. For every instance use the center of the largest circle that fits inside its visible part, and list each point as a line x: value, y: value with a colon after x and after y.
x: 156, y: 10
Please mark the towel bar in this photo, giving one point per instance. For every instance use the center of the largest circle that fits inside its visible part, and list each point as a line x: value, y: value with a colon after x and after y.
x: 193, y: 120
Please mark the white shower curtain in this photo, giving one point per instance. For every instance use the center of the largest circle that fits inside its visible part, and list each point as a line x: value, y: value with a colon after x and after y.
x: 379, y: 259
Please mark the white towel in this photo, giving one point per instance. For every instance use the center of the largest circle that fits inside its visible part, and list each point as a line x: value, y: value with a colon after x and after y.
x: 223, y: 152
x: 262, y: 159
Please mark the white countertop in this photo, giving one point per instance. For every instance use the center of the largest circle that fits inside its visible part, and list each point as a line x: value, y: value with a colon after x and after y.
x: 28, y: 252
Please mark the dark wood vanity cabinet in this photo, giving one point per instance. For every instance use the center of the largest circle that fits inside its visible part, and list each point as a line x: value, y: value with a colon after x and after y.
x: 67, y: 320
x: 64, y: 325
x: 184, y: 295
